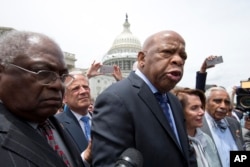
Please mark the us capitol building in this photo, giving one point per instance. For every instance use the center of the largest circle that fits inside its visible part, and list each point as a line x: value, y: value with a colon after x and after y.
x: 123, y: 53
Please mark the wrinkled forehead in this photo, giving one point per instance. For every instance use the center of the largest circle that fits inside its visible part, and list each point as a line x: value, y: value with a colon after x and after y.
x: 78, y: 79
x: 164, y: 39
x: 171, y: 35
x: 219, y: 94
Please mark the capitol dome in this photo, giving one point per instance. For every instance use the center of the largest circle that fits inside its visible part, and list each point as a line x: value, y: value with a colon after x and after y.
x: 124, y: 50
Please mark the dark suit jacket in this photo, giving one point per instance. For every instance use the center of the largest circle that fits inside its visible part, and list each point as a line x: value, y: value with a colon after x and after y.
x: 127, y: 114
x: 21, y: 145
x: 73, y: 127
x: 200, y: 82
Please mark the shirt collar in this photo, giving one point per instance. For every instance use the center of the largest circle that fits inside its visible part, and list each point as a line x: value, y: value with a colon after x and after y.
x: 79, y: 116
x: 145, y: 79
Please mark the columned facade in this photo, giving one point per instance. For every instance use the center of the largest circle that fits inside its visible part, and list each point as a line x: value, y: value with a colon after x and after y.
x: 123, y: 53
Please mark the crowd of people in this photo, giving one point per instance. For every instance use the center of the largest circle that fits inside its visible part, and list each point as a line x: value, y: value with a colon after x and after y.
x: 48, y: 117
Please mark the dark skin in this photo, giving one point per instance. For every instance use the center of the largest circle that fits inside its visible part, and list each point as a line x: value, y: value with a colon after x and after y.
x: 162, y: 60
x: 218, y: 104
x: 22, y: 94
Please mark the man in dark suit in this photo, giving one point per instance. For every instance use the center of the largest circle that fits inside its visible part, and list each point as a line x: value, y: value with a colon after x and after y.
x: 77, y: 100
x: 32, y: 78
x: 127, y: 114
x: 225, y: 131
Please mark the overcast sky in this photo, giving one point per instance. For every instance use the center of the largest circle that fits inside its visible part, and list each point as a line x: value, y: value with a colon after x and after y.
x: 88, y: 28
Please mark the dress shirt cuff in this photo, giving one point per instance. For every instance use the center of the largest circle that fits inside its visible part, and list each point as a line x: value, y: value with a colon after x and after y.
x: 86, y: 164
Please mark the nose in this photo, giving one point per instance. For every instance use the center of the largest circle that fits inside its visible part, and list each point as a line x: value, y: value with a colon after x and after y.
x: 223, y: 105
x: 57, y: 84
x: 201, y: 111
x: 177, y: 60
x: 83, y: 89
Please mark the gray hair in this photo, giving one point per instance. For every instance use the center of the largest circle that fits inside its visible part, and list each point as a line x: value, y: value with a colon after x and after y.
x: 73, y: 73
x: 210, y: 90
x: 18, y: 43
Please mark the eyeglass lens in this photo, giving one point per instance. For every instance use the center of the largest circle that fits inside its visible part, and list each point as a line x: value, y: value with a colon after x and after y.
x: 47, y: 77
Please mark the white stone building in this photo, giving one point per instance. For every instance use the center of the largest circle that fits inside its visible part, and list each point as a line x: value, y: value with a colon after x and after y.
x: 123, y: 53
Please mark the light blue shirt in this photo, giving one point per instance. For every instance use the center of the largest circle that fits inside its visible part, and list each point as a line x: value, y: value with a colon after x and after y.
x: 223, y: 140
x: 154, y: 90
x: 78, y: 117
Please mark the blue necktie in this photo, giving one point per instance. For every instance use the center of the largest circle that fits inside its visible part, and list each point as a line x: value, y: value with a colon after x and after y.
x: 85, y: 120
x: 163, y: 101
x: 221, y: 125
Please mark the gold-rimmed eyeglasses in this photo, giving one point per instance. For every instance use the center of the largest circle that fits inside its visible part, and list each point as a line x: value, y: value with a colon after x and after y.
x: 46, y: 77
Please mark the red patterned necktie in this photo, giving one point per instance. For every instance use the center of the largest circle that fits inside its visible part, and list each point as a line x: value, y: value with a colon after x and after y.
x: 46, y: 129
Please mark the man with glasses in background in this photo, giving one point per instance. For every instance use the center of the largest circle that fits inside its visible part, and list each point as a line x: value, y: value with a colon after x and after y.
x: 32, y: 79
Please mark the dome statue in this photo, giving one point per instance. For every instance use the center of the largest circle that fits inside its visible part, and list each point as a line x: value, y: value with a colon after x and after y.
x: 124, y: 50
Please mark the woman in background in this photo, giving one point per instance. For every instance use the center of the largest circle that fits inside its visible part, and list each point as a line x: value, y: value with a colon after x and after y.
x: 193, y: 103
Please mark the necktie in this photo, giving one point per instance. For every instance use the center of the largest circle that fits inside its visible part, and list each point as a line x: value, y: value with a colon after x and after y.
x: 46, y: 130
x: 85, y: 120
x: 221, y: 125
x: 163, y: 101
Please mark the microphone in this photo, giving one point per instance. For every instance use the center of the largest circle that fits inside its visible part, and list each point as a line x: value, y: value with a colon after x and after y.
x: 130, y: 158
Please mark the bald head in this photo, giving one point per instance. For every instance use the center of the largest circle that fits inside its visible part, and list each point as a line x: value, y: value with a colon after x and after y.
x: 161, y: 36
x: 162, y: 59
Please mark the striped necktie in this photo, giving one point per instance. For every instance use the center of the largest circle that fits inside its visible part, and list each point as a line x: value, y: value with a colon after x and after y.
x: 46, y: 130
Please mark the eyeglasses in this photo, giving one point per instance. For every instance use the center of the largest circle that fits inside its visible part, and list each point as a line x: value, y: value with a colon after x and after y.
x: 46, y: 77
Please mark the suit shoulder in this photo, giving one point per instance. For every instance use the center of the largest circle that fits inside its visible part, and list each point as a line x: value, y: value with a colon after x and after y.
x: 63, y: 117
x: 231, y: 120
x: 60, y: 115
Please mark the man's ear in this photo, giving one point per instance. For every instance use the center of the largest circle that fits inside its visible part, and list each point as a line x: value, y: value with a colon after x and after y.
x: 141, y: 59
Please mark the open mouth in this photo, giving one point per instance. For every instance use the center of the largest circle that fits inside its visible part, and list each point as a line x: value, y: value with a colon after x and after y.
x: 174, y: 75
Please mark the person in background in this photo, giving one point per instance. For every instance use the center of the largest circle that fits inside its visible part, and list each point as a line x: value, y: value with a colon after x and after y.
x: 235, y: 112
x: 201, y: 75
x: 75, y: 118
x: 32, y: 78
x: 246, y: 132
x: 193, y: 103
x: 224, y: 130
x: 94, y: 70
x: 129, y: 114
x: 91, y: 106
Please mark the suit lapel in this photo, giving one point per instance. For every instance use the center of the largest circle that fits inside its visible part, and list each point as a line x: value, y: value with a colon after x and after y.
x: 73, y: 128
x: 236, y: 133
x: 152, y: 103
x: 71, y: 146
x: 179, y: 120
x: 205, y: 127
x: 26, y: 142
